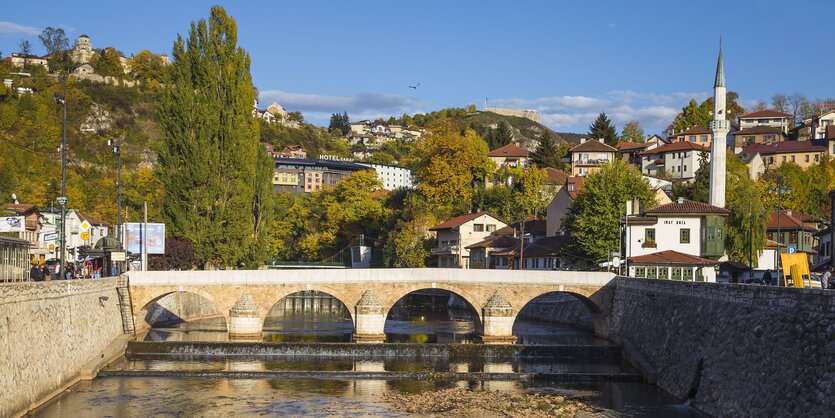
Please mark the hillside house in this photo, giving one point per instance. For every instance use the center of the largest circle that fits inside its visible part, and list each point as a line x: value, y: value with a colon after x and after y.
x: 455, y: 235
x: 589, y: 156
x: 510, y: 155
x: 803, y: 153
x: 766, y: 118
x: 697, y: 135
x: 679, y: 159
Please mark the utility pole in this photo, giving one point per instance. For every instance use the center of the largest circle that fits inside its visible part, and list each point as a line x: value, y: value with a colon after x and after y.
x: 117, y: 149
x: 63, y: 199
x: 145, y: 240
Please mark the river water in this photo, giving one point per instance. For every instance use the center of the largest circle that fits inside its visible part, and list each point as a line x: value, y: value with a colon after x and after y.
x: 177, y: 388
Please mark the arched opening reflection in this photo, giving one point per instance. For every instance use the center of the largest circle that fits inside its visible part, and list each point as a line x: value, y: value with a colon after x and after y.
x: 183, y: 316
x: 308, y: 316
x: 432, y: 316
x: 557, y: 318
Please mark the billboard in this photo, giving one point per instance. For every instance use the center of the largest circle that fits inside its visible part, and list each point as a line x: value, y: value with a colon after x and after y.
x: 155, y: 242
x: 12, y: 224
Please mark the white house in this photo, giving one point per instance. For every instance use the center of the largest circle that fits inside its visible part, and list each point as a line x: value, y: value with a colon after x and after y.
x: 679, y: 159
x: 74, y: 231
x: 456, y: 234
x: 771, y: 118
x: 392, y: 176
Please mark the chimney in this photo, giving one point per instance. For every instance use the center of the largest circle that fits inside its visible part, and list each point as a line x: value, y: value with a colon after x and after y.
x: 680, y: 200
x: 582, y: 140
x: 602, y: 141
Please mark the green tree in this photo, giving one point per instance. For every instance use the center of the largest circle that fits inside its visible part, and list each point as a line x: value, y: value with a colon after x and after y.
x: 546, y: 152
x: 208, y: 158
x: 108, y: 63
x: 340, y: 123
x: 149, y: 69
x: 448, y: 163
x: 632, y: 132
x: 748, y: 213
x: 699, y: 189
x: 594, y: 218
x: 701, y: 114
x: 602, y: 128
x: 56, y: 44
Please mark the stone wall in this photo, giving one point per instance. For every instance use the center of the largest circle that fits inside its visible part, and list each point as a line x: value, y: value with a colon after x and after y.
x: 734, y: 350
x: 559, y: 308
x: 49, y: 332
x: 179, y: 307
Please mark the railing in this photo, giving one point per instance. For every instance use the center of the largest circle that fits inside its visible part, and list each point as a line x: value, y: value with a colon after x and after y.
x: 592, y: 161
x: 445, y: 249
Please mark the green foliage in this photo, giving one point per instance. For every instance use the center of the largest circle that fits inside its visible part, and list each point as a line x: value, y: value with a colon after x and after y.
x: 594, y: 218
x: 209, y: 157
x: 548, y: 154
x: 447, y: 164
x: 632, y: 132
x: 748, y: 214
x: 310, y: 137
x: 108, y: 64
x: 500, y: 136
x: 701, y: 114
x: 149, y: 69
x: 422, y: 120
x: 340, y: 123
x: 56, y: 44
x: 699, y: 188
x: 602, y: 127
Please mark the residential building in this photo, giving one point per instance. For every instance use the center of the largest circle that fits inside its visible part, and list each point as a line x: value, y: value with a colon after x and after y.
x: 758, y: 135
x: 558, y: 207
x: 291, y: 151
x: 679, y: 160
x: 697, y: 135
x: 555, y: 177
x: 20, y: 60
x: 392, y: 176
x: 797, y: 230
x: 589, y: 156
x: 629, y: 151
x: 820, y: 124
x: 684, y: 226
x: 75, y: 242
x: 483, y: 253
x: 311, y: 174
x: 754, y: 161
x: 766, y: 118
x: 803, y: 153
x: 510, y: 155
x: 456, y: 234
x: 32, y: 225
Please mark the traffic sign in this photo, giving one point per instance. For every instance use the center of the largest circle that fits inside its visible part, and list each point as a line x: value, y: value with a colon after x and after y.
x: 85, y: 226
x: 62, y: 200
x: 85, y: 236
x: 791, y: 250
x: 117, y: 256
x: 50, y: 237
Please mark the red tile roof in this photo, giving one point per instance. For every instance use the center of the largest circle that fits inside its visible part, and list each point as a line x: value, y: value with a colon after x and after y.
x: 532, y: 226
x: 788, y: 221
x: 593, y: 145
x: 760, y: 130
x: 676, y: 146
x: 509, y: 150
x: 695, y: 130
x: 91, y: 220
x: 21, y: 209
x: 556, y: 176
x: 577, y: 183
x: 687, y: 207
x: 459, y: 220
x: 670, y: 257
x: 547, y: 246
x: 495, y: 241
x: 783, y: 147
x: 765, y: 114
x: 631, y: 146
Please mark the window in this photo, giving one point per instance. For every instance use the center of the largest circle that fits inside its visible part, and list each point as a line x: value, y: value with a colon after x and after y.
x: 640, y: 272
x: 792, y: 237
x: 687, y: 274
x: 692, y: 138
x: 491, y: 228
x: 649, y: 237
x: 676, y: 273
x: 817, y: 158
x: 478, y: 227
x: 710, y: 233
x: 807, y: 158
x: 663, y: 273
x: 792, y: 158
x: 685, y: 168
x: 652, y: 272
x: 684, y: 236
x: 703, y: 138
x: 784, y: 158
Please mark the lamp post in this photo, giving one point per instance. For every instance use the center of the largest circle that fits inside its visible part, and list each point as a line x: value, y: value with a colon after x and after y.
x: 779, y: 189
x: 117, y: 149
x: 62, y: 200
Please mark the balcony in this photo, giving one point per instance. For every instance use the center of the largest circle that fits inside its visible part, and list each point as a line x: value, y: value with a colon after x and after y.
x: 599, y: 161
x: 445, y: 250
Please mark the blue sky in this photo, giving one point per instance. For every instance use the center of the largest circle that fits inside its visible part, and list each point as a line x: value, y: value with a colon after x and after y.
x: 570, y: 60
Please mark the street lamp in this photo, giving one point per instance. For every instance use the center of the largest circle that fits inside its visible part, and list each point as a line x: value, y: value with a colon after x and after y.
x: 62, y: 200
x: 779, y: 189
x: 116, y: 146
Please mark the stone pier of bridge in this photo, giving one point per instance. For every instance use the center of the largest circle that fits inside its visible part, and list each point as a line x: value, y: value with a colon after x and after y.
x: 246, y: 297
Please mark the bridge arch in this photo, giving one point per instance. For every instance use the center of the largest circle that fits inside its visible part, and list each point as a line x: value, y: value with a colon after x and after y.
x: 474, y: 302
x: 436, y: 325
x: 268, y: 300
x: 143, y: 306
x: 583, y: 295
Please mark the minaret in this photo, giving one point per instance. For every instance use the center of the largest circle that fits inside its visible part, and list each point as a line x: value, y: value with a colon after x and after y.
x: 719, y: 128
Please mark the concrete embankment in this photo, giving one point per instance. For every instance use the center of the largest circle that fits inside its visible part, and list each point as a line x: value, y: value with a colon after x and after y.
x: 53, y: 334
x: 734, y: 350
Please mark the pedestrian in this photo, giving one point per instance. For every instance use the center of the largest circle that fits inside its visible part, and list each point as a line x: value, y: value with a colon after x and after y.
x: 57, y: 271
x: 45, y: 272
x: 827, y: 276
x: 767, y: 277
x: 35, y: 273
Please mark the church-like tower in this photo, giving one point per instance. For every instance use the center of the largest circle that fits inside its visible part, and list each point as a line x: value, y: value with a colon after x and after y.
x: 719, y: 127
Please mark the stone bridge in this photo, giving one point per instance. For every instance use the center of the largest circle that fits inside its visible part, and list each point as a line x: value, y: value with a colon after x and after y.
x: 246, y: 297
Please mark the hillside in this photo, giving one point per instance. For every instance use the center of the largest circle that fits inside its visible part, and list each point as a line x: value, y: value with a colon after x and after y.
x: 525, y: 131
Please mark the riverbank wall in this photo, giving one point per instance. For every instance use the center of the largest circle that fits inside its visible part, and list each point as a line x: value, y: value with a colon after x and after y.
x: 732, y: 349
x: 53, y: 334
x: 559, y: 308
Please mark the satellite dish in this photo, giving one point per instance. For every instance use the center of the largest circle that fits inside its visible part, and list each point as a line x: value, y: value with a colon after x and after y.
x: 14, y: 197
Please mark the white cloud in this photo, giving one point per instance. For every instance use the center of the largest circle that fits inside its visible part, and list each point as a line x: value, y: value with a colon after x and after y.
x: 575, y: 113
x: 362, y: 105
x: 10, y: 28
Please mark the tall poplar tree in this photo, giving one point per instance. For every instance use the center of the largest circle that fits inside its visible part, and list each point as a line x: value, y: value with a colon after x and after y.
x: 208, y: 162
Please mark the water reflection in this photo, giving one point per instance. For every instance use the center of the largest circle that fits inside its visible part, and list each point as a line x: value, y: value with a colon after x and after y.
x: 431, y: 316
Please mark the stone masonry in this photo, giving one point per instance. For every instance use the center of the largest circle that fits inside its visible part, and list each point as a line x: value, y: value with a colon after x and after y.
x: 734, y: 350
x: 48, y: 332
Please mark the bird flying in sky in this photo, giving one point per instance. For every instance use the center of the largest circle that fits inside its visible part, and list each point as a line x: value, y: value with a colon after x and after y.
x: 415, y: 86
